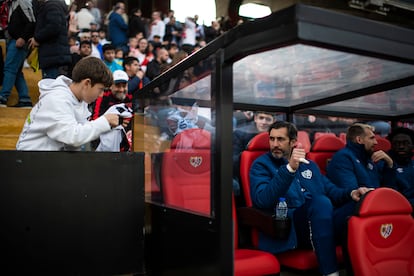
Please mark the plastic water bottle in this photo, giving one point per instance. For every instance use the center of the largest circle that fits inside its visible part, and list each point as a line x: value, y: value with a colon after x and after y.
x: 281, y: 209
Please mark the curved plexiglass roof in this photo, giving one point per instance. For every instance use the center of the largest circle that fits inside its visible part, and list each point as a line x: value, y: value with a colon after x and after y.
x: 300, y: 74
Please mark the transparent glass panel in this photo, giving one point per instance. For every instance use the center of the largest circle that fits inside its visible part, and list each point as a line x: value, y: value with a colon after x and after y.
x: 176, y: 131
x: 317, y: 125
x: 299, y: 73
x: 391, y: 103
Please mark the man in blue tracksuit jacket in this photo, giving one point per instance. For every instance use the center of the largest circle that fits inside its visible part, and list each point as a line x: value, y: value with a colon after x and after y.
x: 357, y: 165
x: 317, y: 208
x: 402, y: 140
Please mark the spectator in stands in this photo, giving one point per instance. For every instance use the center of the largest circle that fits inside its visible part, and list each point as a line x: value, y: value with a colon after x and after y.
x: 133, y: 50
x: 137, y: 79
x: 84, y: 19
x: 173, y: 51
x: 102, y: 37
x: 189, y: 35
x: 213, y: 31
x: 96, y: 12
x: 200, y: 34
x: 241, y: 137
x: 118, y: 29
x: 51, y: 37
x: 73, y: 29
x: 156, y: 43
x: 358, y: 165
x: 59, y: 121
x: 311, y: 198
x: 118, y: 93
x: 84, y: 36
x: 143, y: 54
x: 402, y: 145
x: 157, y: 26
x: 20, y: 29
x: 173, y: 32
x: 167, y: 18
x: 154, y: 67
x: 109, y: 57
x: 73, y: 44
x: 93, y: 26
x: 119, y: 56
x: 85, y: 50
x: 96, y: 45
x: 136, y: 24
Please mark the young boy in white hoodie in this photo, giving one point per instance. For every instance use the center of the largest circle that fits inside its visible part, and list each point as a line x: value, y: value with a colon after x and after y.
x: 59, y: 121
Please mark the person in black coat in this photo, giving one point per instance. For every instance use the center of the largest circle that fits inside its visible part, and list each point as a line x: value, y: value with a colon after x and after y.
x: 136, y: 24
x: 51, y: 36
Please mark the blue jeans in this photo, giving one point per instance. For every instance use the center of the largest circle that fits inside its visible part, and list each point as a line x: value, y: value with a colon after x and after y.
x: 13, y: 75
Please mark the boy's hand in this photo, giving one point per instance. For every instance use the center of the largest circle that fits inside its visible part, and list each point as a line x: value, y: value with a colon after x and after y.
x: 113, y: 119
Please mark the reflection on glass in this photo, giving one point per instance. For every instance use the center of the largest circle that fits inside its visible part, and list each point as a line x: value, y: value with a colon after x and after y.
x: 176, y: 131
x: 300, y: 73
x: 392, y: 102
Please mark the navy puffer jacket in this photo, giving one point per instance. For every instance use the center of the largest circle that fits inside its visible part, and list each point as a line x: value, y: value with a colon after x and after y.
x: 51, y: 33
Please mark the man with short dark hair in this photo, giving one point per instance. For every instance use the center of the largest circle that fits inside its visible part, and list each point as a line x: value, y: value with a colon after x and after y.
x: 241, y: 137
x: 155, y: 65
x: 85, y: 50
x: 137, y: 78
x: 109, y: 57
x: 358, y: 164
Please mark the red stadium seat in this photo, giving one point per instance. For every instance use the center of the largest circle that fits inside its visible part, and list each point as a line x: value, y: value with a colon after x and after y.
x: 185, y: 172
x: 319, y: 134
x: 303, y: 138
x: 381, y: 235
x: 301, y: 259
x: 252, y: 262
x: 342, y: 136
x: 383, y: 144
x: 323, y: 149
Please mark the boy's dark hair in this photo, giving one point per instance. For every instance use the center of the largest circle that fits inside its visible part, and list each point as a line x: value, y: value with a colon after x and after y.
x: 291, y: 128
x: 92, y: 68
x: 128, y: 61
x: 85, y: 42
x: 108, y: 47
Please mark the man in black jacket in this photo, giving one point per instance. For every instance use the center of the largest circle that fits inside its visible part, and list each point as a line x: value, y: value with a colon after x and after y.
x: 19, y: 30
x: 51, y: 37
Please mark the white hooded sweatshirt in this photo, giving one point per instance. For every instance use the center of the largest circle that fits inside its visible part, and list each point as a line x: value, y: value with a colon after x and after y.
x: 59, y: 121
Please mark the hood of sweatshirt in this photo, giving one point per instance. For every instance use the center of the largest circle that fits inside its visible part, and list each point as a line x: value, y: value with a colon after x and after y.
x: 58, y: 85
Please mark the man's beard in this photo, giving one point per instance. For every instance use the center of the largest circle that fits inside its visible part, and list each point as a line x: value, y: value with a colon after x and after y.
x: 281, y: 154
x: 120, y: 96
